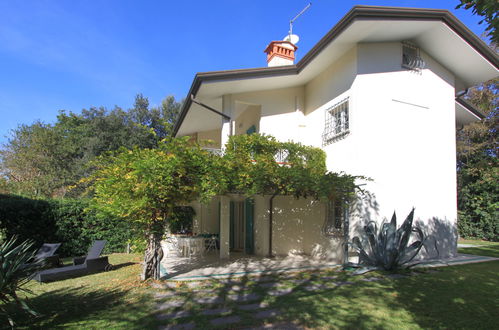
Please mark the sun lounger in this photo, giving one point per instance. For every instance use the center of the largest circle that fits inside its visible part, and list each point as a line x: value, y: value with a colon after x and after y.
x: 91, y: 263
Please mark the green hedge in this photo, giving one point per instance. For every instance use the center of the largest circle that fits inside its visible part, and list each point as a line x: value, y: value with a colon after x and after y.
x: 64, y: 221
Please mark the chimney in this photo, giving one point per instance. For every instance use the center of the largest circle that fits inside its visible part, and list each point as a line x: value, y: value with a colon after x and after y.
x: 280, y: 53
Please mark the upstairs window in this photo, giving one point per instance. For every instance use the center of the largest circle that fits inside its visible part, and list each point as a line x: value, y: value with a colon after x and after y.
x: 335, y: 217
x: 411, y: 58
x: 336, y: 123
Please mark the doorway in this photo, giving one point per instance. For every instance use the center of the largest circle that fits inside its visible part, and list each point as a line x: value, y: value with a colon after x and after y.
x: 241, y: 226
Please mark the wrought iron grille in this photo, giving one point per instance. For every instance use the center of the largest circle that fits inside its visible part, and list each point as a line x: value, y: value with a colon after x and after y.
x: 411, y: 58
x: 335, y: 216
x: 336, y: 122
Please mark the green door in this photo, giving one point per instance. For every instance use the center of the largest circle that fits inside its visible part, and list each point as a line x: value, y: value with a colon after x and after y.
x: 249, y: 210
x: 251, y: 130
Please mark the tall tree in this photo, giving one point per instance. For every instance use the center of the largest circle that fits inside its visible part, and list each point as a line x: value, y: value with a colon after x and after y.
x: 478, y: 167
x: 42, y: 160
x: 488, y: 9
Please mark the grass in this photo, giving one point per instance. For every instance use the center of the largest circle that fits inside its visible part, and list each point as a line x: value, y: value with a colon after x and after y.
x: 456, y: 297
x: 482, y: 248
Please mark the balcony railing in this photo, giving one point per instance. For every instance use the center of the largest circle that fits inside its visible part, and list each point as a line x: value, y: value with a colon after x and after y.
x: 281, y: 156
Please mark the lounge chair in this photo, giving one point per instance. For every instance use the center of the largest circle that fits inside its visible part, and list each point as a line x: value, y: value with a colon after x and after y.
x: 47, y: 254
x: 91, y: 263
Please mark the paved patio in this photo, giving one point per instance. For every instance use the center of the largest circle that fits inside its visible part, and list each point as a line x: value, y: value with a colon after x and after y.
x: 210, y: 266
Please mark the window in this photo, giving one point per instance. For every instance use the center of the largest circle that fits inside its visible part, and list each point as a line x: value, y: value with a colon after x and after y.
x: 335, y: 217
x: 337, y: 122
x: 411, y: 58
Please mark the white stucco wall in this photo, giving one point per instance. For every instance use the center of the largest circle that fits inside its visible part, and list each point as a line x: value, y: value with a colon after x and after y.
x: 298, y: 229
x: 402, y: 136
x: 281, y: 111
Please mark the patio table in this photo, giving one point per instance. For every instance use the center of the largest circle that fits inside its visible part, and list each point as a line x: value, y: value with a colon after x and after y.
x: 190, y: 246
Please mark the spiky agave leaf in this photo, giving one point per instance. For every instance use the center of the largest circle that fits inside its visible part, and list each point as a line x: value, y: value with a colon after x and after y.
x: 390, y: 250
x: 371, y: 230
x: 364, y: 257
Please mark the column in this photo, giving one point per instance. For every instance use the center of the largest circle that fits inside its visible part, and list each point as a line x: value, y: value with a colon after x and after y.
x: 227, y: 125
x: 224, y: 227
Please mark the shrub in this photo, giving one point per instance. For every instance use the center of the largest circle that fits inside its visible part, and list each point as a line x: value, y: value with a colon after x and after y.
x: 181, y: 220
x: 66, y: 221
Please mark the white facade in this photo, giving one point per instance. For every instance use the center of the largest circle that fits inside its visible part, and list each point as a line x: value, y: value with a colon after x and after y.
x: 402, y: 126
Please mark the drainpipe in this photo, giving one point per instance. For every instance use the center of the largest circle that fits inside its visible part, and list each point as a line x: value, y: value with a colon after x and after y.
x: 271, y: 213
x: 346, y: 232
x: 211, y: 109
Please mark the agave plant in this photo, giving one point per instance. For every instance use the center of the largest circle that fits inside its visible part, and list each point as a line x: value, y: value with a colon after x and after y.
x: 16, y: 270
x: 387, y: 247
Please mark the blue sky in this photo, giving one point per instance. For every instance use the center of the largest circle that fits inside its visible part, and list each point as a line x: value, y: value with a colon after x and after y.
x: 70, y: 55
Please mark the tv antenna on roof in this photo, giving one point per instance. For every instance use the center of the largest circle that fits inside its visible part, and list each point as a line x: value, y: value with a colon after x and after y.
x: 293, y: 38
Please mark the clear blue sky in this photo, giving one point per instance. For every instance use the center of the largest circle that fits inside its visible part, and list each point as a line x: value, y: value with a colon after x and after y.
x: 76, y: 54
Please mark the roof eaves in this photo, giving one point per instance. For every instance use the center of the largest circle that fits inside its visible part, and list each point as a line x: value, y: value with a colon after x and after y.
x: 470, y: 107
x: 394, y: 13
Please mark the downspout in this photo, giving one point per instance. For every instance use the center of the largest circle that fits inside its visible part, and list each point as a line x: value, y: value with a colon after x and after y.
x: 346, y: 232
x: 271, y: 213
x: 211, y: 109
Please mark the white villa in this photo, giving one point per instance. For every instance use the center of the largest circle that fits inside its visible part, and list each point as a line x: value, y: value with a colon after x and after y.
x: 380, y: 94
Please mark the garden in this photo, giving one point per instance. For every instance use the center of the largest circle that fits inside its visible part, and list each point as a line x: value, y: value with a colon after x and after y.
x: 463, y: 296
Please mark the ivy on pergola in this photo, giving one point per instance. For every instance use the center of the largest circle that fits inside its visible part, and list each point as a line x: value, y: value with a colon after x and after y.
x: 144, y: 185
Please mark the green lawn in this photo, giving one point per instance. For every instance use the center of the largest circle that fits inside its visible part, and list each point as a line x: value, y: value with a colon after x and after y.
x: 454, y: 297
x: 483, y: 248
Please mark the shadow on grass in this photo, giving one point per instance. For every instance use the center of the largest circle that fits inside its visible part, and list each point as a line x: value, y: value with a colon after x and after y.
x: 75, y: 307
x: 462, y: 296
x: 125, y: 264
x: 486, y: 250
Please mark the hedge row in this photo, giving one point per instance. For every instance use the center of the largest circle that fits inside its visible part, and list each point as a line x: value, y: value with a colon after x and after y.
x: 62, y: 221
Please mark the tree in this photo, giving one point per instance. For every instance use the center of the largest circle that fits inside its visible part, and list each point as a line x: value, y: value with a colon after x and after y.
x: 144, y: 185
x: 477, y: 167
x: 45, y: 160
x: 489, y: 9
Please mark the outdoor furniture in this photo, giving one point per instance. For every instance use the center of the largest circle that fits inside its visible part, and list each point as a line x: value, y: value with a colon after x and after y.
x: 91, y: 263
x: 191, y: 246
x: 47, y: 253
x: 171, y: 247
x: 211, y: 243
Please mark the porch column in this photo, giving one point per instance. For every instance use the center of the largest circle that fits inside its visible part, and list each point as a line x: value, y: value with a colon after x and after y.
x: 227, y: 125
x: 224, y: 227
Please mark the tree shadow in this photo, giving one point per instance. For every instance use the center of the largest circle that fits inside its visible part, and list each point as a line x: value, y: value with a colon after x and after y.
x: 75, y: 306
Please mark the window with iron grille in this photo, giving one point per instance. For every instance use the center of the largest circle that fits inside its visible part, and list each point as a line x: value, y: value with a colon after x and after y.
x: 411, y: 58
x: 336, y: 123
x: 335, y: 216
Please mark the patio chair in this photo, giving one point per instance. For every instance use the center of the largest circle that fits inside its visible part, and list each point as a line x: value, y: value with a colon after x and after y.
x: 211, y: 243
x: 91, y: 263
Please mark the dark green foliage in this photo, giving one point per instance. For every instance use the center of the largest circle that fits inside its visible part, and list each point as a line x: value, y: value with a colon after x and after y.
x: 17, y: 267
x: 389, y: 248
x: 489, y: 9
x: 64, y: 221
x: 180, y: 221
x: 478, y: 167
